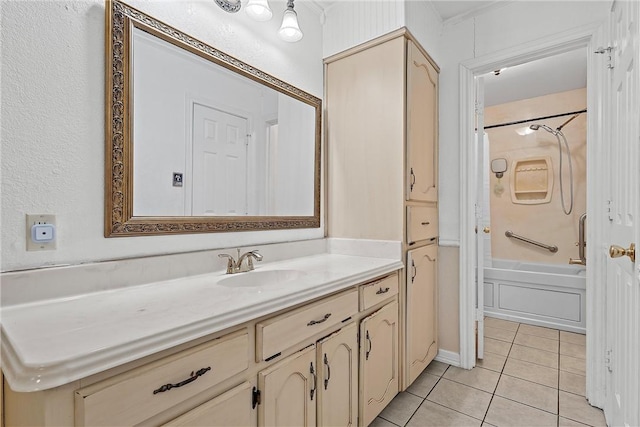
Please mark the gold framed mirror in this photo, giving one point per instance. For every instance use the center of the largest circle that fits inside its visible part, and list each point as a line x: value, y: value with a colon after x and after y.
x: 198, y: 141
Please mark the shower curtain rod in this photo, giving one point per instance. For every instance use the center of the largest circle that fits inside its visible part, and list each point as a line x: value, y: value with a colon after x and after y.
x: 535, y: 119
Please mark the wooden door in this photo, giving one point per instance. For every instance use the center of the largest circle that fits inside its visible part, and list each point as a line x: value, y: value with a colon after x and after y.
x: 288, y: 391
x: 338, y: 378
x: 623, y: 274
x: 378, y: 361
x: 232, y: 408
x: 422, y: 325
x: 219, y: 177
x: 422, y: 127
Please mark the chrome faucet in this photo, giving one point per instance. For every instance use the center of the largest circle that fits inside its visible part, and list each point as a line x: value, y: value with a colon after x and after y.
x: 240, y: 266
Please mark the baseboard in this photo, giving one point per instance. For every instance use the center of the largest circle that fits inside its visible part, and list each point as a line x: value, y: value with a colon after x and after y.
x: 448, y: 357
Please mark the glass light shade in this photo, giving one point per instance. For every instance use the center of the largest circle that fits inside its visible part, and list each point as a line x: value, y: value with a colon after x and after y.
x: 259, y: 10
x: 290, y: 30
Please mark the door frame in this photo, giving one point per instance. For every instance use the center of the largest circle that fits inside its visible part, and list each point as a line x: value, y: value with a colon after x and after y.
x: 590, y: 37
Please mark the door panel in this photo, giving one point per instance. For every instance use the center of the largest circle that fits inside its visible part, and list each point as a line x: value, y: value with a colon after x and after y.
x: 422, y: 328
x: 287, y: 398
x: 482, y: 228
x: 422, y: 125
x: 623, y: 281
x: 338, y: 378
x: 219, y: 162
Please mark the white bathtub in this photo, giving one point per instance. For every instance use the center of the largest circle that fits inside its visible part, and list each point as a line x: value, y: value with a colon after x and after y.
x: 549, y: 295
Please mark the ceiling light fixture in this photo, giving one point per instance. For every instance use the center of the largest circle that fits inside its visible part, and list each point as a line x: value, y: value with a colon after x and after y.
x: 290, y: 30
x: 259, y: 10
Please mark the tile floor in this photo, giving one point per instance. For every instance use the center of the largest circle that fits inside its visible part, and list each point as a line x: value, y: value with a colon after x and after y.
x: 530, y: 376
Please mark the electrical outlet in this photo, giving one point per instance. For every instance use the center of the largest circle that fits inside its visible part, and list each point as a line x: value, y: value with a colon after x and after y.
x: 41, y: 232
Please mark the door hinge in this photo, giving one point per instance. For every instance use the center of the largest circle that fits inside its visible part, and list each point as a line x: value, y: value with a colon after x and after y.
x: 255, y: 398
x: 610, y: 209
x: 608, y: 51
x: 608, y: 355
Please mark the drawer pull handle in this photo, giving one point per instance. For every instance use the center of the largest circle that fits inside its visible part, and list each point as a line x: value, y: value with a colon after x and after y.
x: 192, y: 378
x: 413, y: 180
x: 425, y: 223
x: 382, y: 291
x: 315, y: 322
x: 370, y: 346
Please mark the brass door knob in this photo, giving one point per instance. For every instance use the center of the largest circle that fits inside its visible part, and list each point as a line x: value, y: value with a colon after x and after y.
x: 487, y: 230
x: 616, y: 251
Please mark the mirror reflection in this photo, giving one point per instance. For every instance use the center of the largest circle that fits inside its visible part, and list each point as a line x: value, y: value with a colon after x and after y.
x: 210, y: 142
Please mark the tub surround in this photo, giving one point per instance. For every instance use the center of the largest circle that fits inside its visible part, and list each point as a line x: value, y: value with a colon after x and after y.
x: 68, y: 335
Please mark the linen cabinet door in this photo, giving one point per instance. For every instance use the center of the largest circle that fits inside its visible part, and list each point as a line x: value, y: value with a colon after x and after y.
x: 338, y: 378
x: 422, y: 127
x: 422, y: 327
x: 378, y: 361
x: 230, y: 409
x: 288, y: 391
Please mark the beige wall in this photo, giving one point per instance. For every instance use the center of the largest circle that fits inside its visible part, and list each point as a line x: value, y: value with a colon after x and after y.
x: 544, y: 222
x: 448, y: 298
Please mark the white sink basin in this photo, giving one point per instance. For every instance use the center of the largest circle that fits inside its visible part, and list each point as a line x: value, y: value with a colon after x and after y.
x: 263, y: 279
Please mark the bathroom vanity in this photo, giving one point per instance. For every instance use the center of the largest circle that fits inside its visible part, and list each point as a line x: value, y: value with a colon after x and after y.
x: 306, y: 341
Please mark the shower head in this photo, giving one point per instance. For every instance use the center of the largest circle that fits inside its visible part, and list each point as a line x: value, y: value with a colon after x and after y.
x: 545, y: 127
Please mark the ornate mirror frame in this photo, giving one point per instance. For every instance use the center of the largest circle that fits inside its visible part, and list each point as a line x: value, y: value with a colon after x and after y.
x: 119, y: 219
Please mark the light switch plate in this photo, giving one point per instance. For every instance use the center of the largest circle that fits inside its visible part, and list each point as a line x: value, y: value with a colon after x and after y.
x: 46, y: 234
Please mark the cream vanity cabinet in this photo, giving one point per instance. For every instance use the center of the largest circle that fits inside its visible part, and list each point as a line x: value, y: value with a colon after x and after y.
x: 382, y: 133
x: 332, y: 361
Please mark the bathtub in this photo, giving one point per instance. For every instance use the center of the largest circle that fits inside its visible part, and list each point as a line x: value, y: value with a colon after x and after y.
x: 550, y: 295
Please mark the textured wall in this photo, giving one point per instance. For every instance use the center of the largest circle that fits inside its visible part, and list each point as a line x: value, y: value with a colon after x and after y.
x: 53, y: 118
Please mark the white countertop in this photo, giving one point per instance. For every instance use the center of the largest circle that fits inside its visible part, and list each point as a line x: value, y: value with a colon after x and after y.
x: 49, y: 343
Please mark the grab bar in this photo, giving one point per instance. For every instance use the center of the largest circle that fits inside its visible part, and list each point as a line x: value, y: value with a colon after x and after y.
x: 553, y: 249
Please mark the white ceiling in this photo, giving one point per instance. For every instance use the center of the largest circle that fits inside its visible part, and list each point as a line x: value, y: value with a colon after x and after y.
x: 448, y: 9
x: 558, y: 73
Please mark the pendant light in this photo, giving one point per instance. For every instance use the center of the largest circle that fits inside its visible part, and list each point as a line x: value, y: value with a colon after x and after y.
x: 290, y: 30
x: 259, y: 10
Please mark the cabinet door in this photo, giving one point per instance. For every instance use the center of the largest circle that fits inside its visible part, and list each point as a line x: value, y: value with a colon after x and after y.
x: 422, y: 127
x: 338, y: 378
x: 422, y: 327
x: 288, y: 391
x: 378, y: 361
x: 232, y: 408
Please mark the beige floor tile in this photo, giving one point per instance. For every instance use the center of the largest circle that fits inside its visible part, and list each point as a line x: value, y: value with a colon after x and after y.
x: 502, y: 324
x: 539, y: 331
x: 381, y: 422
x: 492, y: 361
x: 461, y: 398
x: 401, y: 408
x: 578, y: 409
x: 537, y: 342
x: 487, y: 425
x: 499, y: 334
x: 431, y: 414
x: 573, y: 350
x: 573, y: 383
x: 436, y: 368
x: 504, y: 412
x: 480, y: 378
x: 423, y: 385
x: 496, y: 346
x: 534, y: 355
x: 573, y: 338
x: 566, y: 422
x: 573, y: 365
x: 532, y: 394
x: 531, y: 372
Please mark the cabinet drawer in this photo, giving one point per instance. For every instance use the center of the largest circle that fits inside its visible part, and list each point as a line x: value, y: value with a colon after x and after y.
x: 137, y: 395
x: 282, y: 332
x: 378, y: 291
x: 422, y: 223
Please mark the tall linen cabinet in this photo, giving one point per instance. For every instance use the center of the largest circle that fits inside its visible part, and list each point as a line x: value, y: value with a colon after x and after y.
x: 382, y: 133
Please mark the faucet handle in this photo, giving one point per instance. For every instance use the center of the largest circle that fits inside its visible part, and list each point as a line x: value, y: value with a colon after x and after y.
x: 231, y: 263
x: 253, y: 255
